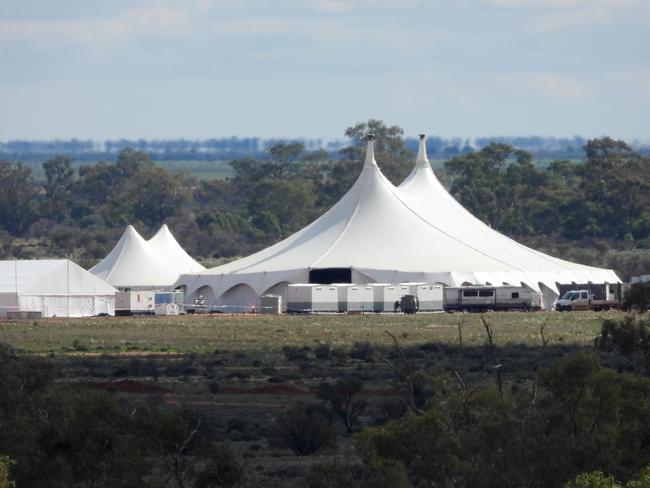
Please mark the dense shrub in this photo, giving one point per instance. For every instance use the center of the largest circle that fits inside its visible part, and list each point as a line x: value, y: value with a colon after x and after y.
x: 343, y: 400
x: 60, y: 437
x: 584, y: 418
x: 638, y: 297
x: 333, y: 474
x: 629, y: 337
x: 303, y: 430
x: 362, y: 351
x: 323, y: 351
x: 294, y: 353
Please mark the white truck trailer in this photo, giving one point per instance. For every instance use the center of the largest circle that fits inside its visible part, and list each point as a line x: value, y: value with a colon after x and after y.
x: 484, y: 298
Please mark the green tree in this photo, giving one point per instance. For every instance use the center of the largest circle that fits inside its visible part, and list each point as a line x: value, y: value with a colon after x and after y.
x: 292, y: 202
x: 393, y: 157
x: 59, y: 174
x: 615, y: 182
x: 17, y: 197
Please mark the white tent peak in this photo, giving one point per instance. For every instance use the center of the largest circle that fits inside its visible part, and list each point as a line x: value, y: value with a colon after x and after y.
x: 370, y: 152
x: 422, y: 161
x: 164, y: 242
x: 140, y: 264
x: 130, y: 254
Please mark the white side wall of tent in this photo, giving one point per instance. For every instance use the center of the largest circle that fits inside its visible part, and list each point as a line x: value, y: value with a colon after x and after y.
x: 56, y: 288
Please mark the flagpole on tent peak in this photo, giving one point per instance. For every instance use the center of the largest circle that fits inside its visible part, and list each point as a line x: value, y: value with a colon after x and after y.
x: 370, y: 151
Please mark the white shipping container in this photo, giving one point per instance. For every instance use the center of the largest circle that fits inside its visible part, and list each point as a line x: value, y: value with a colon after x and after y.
x: 385, y: 296
x: 360, y: 298
x: 430, y: 297
x: 134, y: 302
x: 310, y: 298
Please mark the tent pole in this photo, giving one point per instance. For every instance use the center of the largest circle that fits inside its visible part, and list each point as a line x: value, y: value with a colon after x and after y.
x: 16, y: 281
x: 67, y: 263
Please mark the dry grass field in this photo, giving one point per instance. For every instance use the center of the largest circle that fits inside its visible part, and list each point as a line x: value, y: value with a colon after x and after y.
x: 261, y: 333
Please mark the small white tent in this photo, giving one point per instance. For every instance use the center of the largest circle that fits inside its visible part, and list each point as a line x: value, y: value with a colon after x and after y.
x: 145, y: 265
x: 54, y: 287
x: 378, y: 233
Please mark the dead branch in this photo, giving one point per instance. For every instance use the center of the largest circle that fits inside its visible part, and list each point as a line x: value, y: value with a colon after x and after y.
x: 460, y: 331
x: 497, y: 366
x: 405, y: 373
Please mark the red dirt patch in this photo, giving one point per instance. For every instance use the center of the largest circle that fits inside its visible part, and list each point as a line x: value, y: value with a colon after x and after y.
x: 126, y: 386
x: 266, y: 390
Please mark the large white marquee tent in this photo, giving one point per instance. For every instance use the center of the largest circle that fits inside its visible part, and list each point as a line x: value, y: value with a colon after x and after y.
x: 54, y: 287
x: 380, y: 233
x: 138, y: 264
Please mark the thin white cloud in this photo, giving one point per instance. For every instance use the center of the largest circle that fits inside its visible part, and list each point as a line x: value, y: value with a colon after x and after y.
x: 330, y: 6
x: 553, y: 15
x: 550, y: 85
x: 636, y: 83
x: 132, y: 23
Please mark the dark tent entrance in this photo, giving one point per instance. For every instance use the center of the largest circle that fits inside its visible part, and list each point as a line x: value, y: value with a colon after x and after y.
x: 327, y: 276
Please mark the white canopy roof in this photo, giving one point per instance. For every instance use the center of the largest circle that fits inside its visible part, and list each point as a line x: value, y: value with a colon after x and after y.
x: 416, y: 232
x: 54, y: 287
x: 50, y: 276
x: 136, y: 263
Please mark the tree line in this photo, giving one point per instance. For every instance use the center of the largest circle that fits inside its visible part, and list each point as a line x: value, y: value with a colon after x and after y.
x: 544, y: 148
x: 596, y: 210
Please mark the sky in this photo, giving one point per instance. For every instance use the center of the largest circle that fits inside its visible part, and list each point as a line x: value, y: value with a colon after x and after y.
x: 200, y: 69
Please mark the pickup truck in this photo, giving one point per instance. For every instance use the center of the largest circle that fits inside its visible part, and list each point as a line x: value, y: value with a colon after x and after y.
x: 583, y: 300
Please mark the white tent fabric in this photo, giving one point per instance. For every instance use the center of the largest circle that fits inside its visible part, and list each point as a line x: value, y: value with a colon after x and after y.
x: 55, y: 287
x: 424, y: 193
x: 384, y: 234
x: 138, y: 264
x: 164, y: 242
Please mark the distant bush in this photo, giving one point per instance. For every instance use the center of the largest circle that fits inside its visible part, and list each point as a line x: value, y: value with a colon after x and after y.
x: 389, y: 409
x: 294, y: 353
x: 234, y: 424
x: 343, y: 399
x: 332, y: 474
x: 638, y: 297
x: 302, y: 430
x: 137, y: 367
x: 80, y: 345
x: 362, y: 351
x: 629, y: 337
x: 184, y: 368
x: 214, y: 387
x: 240, y: 375
x: 323, y: 351
x: 222, y: 469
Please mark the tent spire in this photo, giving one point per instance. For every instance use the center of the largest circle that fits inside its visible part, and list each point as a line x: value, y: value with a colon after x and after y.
x: 370, y: 151
x: 422, y: 161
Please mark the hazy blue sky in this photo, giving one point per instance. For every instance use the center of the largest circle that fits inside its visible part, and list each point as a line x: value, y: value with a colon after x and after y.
x: 217, y: 68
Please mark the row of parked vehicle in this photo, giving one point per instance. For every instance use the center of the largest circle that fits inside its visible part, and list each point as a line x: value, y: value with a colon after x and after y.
x: 418, y: 297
